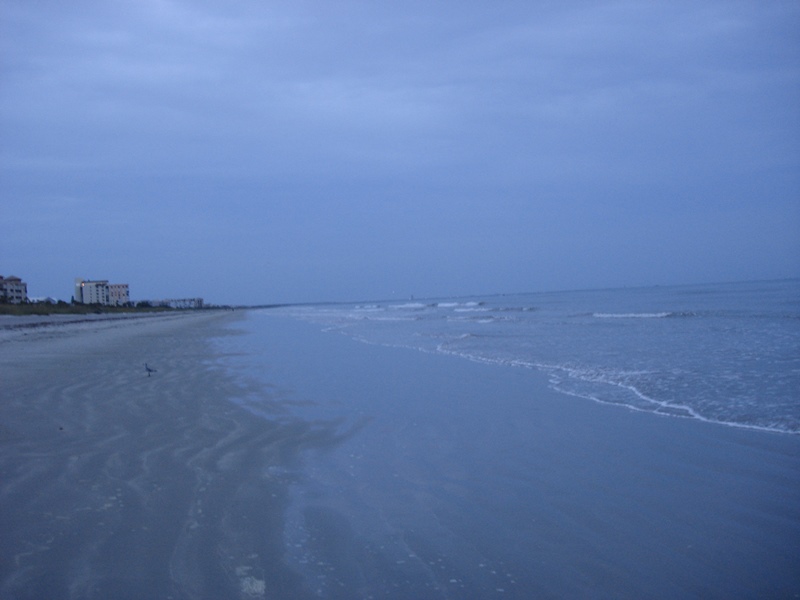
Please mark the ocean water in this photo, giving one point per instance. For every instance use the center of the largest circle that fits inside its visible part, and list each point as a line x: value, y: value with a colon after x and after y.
x: 724, y: 353
x: 425, y: 457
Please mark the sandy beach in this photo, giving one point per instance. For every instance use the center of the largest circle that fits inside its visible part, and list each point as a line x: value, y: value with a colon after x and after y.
x: 335, y: 469
x: 120, y: 485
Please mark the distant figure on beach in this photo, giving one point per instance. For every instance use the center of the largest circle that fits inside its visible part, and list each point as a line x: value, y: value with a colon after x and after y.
x: 149, y: 370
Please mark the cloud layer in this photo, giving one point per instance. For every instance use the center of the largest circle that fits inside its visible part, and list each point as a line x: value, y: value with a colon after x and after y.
x: 257, y: 152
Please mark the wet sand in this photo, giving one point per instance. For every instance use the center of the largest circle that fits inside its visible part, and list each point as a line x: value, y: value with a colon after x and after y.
x: 116, y: 484
x: 330, y: 468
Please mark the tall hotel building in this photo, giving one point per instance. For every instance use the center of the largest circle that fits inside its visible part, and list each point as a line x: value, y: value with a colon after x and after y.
x: 101, y: 292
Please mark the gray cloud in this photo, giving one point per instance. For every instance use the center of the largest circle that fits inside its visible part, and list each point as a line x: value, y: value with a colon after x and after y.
x: 302, y: 151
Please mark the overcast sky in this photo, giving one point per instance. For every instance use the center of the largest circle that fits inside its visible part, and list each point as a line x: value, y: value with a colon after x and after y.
x: 257, y: 151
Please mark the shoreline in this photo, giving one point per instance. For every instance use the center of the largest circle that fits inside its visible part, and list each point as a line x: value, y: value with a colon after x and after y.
x: 56, y: 328
x: 691, y: 416
x: 16, y: 322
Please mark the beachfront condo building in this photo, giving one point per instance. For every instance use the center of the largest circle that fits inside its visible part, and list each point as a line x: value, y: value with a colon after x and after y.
x: 13, y: 290
x: 179, y: 302
x: 118, y: 294
x: 101, y: 292
x: 91, y: 292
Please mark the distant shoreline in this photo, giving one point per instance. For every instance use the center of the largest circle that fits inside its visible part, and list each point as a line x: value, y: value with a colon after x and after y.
x: 55, y: 319
x: 64, y: 308
x: 18, y: 327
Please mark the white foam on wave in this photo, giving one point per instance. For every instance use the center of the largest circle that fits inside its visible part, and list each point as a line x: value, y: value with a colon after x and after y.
x: 390, y: 318
x: 649, y: 405
x: 659, y: 315
x: 461, y: 306
x: 472, y: 319
x: 613, y: 379
x: 407, y: 306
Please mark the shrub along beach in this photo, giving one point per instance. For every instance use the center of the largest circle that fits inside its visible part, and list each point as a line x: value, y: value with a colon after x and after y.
x: 65, y: 308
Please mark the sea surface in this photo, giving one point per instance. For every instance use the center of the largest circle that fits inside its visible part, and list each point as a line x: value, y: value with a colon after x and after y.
x: 632, y: 443
x: 725, y: 353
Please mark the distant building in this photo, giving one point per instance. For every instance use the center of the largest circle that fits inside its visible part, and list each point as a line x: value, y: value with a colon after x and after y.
x: 101, y: 292
x: 92, y: 292
x: 179, y: 302
x: 13, y: 290
x: 118, y: 294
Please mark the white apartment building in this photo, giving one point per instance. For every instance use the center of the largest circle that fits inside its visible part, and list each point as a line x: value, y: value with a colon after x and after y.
x: 101, y: 292
x: 179, y: 302
x: 118, y: 294
x: 92, y: 292
x: 13, y: 290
